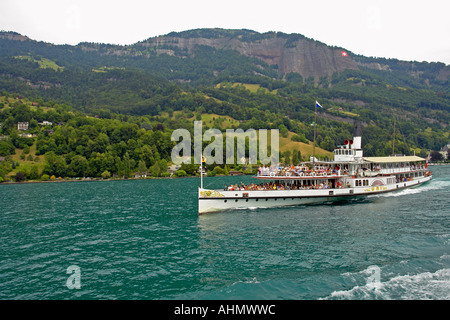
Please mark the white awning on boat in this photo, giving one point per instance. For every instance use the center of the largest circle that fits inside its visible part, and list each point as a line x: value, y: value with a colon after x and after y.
x: 393, y: 159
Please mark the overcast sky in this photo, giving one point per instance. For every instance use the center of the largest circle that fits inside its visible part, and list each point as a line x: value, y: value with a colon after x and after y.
x: 401, y: 29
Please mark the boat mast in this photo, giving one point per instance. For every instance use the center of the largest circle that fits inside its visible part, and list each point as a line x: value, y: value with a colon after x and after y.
x: 201, y: 171
x: 314, y: 143
x: 393, y: 140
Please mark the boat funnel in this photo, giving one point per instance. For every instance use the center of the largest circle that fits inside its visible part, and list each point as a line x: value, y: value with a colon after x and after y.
x: 357, y: 136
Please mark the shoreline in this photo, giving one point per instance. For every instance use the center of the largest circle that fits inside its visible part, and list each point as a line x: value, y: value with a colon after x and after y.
x: 97, y: 180
x: 133, y: 179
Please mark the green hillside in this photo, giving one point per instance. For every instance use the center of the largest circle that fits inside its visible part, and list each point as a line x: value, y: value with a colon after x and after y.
x: 151, y: 88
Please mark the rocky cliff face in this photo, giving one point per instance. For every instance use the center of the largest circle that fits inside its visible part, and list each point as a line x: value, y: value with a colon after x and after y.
x: 13, y: 36
x: 304, y: 56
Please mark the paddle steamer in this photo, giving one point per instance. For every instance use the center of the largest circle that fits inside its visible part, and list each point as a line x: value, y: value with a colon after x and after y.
x: 350, y: 175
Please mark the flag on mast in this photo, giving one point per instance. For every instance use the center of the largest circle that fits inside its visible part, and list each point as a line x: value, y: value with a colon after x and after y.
x: 318, y: 105
x: 428, y: 158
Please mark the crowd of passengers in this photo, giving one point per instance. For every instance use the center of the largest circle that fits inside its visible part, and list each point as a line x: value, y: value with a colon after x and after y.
x: 299, y: 171
x: 316, y: 171
x: 280, y: 186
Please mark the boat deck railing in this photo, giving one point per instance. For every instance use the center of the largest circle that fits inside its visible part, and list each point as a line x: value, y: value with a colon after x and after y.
x: 404, y: 169
x: 293, y: 173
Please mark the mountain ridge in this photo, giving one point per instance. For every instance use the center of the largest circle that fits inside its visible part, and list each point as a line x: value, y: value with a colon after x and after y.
x: 286, y: 53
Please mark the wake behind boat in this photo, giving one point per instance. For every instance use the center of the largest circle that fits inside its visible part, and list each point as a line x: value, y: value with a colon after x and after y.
x: 350, y: 175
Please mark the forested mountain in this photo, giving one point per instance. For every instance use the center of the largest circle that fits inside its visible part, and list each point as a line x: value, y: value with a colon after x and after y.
x: 263, y: 80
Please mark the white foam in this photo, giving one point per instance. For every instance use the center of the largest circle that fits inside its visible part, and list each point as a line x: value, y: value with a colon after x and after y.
x: 252, y: 280
x: 422, y: 286
x: 437, y: 185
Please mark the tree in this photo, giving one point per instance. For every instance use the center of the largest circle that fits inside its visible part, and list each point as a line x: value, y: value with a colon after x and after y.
x: 126, y: 163
x: 218, y: 170
x: 6, y: 148
x: 34, y: 173
x: 155, y: 170
x: 78, y: 166
x: 180, y: 173
x: 142, y: 167
x: 299, y: 137
x: 20, y: 176
x: 190, y: 169
x: 436, y: 156
x: 226, y: 171
x: 327, y: 144
x: 106, y: 175
x: 147, y: 126
x: 147, y: 155
x: 55, y: 165
x: 283, y: 130
x: 287, y: 157
x: 296, y: 157
x: 163, y: 165
x: 100, y: 144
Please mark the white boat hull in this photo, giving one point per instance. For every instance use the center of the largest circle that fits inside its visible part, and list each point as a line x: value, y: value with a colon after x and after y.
x: 217, y: 200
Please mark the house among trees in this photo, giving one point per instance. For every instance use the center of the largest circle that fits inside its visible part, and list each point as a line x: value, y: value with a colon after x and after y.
x: 138, y: 175
x: 173, y: 168
x: 445, y: 151
x: 23, y: 125
x: 27, y: 135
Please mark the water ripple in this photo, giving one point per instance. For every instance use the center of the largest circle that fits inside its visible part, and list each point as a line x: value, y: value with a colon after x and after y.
x: 144, y: 240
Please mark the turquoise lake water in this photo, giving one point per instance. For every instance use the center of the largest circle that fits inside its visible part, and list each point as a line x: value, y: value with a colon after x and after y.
x: 143, y: 239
